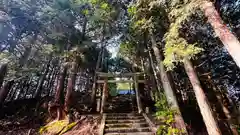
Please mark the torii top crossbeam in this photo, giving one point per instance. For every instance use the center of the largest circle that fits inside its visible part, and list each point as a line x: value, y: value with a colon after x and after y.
x: 103, y: 74
x: 106, y: 75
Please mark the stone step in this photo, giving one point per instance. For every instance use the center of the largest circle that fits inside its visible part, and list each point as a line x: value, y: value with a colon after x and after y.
x: 127, y: 125
x: 126, y: 130
x: 124, y: 121
x: 135, y: 133
x: 124, y: 117
x: 123, y: 114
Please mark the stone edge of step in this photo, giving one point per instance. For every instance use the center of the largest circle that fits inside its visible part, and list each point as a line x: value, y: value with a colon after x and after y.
x: 135, y: 133
x: 126, y: 130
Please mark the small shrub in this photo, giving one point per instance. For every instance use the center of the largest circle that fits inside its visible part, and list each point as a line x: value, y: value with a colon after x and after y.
x: 166, y: 115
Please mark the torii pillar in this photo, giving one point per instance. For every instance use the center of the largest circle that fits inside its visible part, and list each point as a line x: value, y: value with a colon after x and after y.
x: 139, y: 103
x: 104, y: 95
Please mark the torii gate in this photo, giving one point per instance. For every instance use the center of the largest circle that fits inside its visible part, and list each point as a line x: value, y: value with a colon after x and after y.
x: 135, y: 81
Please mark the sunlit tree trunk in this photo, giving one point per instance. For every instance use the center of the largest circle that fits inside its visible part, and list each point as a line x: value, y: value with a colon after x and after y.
x: 168, y: 90
x: 203, y: 103
x: 59, y: 95
x: 3, y: 72
x: 60, y: 86
x: 71, y: 83
x: 222, y: 31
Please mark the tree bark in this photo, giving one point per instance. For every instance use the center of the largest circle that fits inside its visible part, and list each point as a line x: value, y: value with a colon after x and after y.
x: 22, y: 87
x: 59, y: 96
x: 203, y: 103
x: 41, y: 81
x: 94, y: 86
x: 157, y: 83
x: 71, y: 83
x: 3, y: 72
x: 14, y: 90
x: 28, y: 87
x: 228, y: 39
x: 225, y: 109
x: 147, y: 89
x: 52, y: 78
x: 23, y: 60
x: 168, y: 90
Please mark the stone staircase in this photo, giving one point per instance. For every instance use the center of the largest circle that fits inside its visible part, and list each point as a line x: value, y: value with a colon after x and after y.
x: 126, y: 124
x: 120, y: 104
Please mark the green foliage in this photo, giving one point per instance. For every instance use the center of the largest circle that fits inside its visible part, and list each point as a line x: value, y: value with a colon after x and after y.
x: 85, y: 11
x: 113, y: 91
x: 140, y: 23
x: 177, y: 48
x: 112, y: 88
x: 93, y: 2
x: 132, y: 10
x: 166, y: 116
x: 127, y: 49
x: 104, y: 6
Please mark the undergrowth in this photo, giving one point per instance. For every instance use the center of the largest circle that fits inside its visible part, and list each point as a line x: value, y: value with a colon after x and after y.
x: 57, y: 127
x: 166, y: 115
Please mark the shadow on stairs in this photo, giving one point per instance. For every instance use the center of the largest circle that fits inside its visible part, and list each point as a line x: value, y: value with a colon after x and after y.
x: 126, y: 124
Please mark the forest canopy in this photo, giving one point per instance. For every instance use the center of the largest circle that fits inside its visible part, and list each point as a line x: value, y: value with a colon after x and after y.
x: 182, y: 56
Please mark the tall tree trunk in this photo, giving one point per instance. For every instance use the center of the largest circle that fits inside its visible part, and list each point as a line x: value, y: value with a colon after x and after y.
x: 59, y: 95
x: 147, y: 89
x: 14, y: 90
x: 225, y: 35
x: 168, y: 90
x: 28, y: 87
x: 224, y: 108
x: 154, y: 76
x: 3, y: 72
x: 94, y: 86
x: 203, y: 103
x: 22, y: 88
x: 49, y: 77
x: 4, y: 90
x: 41, y: 81
x: 23, y: 60
x: 71, y: 83
x: 50, y: 84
